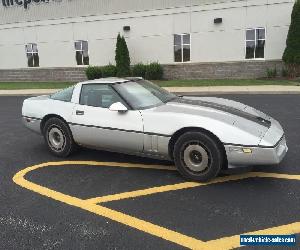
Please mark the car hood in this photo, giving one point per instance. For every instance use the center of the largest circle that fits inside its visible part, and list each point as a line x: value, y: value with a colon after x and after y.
x: 226, y: 111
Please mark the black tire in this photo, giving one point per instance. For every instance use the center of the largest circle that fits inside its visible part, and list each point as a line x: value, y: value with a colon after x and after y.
x: 198, y: 156
x: 58, y: 137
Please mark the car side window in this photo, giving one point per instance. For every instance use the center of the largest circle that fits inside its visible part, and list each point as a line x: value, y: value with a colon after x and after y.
x: 98, y: 95
x: 64, y: 95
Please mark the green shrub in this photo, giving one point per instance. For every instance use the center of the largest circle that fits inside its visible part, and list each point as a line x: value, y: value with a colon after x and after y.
x: 139, y: 70
x: 109, y: 71
x: 271, y: 73
x: 284, y: 72
x: 154, y: 71
x: 122, y: 57
x: 93, y: 72
x: 291, y: 55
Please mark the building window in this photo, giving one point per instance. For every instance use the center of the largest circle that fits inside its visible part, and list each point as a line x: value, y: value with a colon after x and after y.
x: 255, y: 43
x: 32, y: 55
x: 182, y: 47
x: 82, y: 52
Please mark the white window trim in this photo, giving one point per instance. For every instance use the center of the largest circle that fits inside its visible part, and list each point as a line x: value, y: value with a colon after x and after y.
x: 31, y: 53
x: 245, y: 47
x: 182, y: 44
x: 81, y: 50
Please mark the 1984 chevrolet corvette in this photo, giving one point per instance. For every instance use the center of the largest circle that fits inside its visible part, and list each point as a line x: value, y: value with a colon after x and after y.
x: 201, y: 135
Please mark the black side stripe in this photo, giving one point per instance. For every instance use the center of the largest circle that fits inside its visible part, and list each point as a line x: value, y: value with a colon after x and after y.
x: 117, y: 129
x: 227, y: 109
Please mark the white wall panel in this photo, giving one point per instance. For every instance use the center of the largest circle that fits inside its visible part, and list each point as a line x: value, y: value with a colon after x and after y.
x: 79, y: 31
x: 11, y: 36
x: 103, y: 51
x: 279, y: 14
x: 204, y: 21
x: 74, y: 8
x: 13, y: 56
x: 276, y: 40
x: 218, y: 46
x: 151, y: 35
x: 151, y: 49
x: 57, y: 54
x: 51, y: 33
x: 30, y: 35
x: 182, y: 23
x: 256, y: 16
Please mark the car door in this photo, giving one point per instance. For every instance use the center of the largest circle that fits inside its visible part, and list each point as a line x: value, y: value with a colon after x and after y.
x: 95, y: 125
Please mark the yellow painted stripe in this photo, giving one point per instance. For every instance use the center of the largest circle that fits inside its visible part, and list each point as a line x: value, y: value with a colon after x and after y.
x: 147, y: 227
x: 166, y: 188
x: 143, y: 192
x: 133, y: 222
x: 277, y: 176
x: 234, y: 241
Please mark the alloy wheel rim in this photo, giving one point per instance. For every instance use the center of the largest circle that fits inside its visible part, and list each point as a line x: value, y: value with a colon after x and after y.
x: 56, y: 139
x: 196, y: 158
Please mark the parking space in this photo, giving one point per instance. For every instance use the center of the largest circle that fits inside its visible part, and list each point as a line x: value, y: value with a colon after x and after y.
x: 222, y: 214
x: 98, y: 200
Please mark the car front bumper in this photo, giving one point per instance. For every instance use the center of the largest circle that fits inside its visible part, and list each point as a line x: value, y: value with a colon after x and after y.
x: 34, y: 124
x: 238, y: 156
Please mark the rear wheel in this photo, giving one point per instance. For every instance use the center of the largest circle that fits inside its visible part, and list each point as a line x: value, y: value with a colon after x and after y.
x: 198, y: 156
x: 58, y: 137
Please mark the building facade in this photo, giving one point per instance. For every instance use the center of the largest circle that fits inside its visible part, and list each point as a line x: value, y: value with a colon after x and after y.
x: 56, y: 39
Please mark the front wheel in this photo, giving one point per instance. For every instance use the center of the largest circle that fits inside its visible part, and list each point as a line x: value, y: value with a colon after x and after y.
x: 58, y: 137
x: 198, y: 156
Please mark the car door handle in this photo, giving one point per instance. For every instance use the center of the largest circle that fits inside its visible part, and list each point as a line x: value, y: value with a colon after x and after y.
x: 79, y: 112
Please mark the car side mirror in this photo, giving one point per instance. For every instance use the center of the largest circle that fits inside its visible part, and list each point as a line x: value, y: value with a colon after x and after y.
x: 118, y: 106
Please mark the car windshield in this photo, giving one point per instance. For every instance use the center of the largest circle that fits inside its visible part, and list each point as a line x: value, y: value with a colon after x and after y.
x: 141, y: 94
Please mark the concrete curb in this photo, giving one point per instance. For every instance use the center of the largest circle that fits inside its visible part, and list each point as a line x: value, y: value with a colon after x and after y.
x: 211, y: 90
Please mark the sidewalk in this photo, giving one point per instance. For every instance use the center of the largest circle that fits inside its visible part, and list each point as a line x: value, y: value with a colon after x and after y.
x: 262, y: 89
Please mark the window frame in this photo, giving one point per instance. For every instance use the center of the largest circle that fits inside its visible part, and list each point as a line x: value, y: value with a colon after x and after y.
x: 81, y: 50
x: 181, y: 46
x: 32, y: 53
x: 255, y: 42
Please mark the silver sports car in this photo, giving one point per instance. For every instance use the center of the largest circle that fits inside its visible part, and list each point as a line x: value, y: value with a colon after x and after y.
x: 202, y: 135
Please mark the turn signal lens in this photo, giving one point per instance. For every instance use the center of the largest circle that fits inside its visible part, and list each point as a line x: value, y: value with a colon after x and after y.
x: 247, y: 150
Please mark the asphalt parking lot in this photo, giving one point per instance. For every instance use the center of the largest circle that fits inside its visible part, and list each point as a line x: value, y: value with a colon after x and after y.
x: 88, y: 201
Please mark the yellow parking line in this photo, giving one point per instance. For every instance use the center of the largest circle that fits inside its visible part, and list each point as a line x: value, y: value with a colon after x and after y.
x: 166, y: 188
x: 142, y: 225
x: 185, y: 185
x: 147, y: 227
x: 143, y: 192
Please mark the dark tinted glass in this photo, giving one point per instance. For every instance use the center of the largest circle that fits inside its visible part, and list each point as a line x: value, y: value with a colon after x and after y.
x: 85, y: 46
x: 250, y: 35
x: 260, y: 49
x: 186, y: 53
x: 186, y: 39
x: 177, y: 40
x: 36, y: 60
x: 78, y: 45
x: 29, y: 59
x: 28, y: 48
x: 250, y: 47
x: 34, y: 47
x: 260, y: 34
x: 177, y: 54
x: 98, y: 95
x: 79, y: 57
